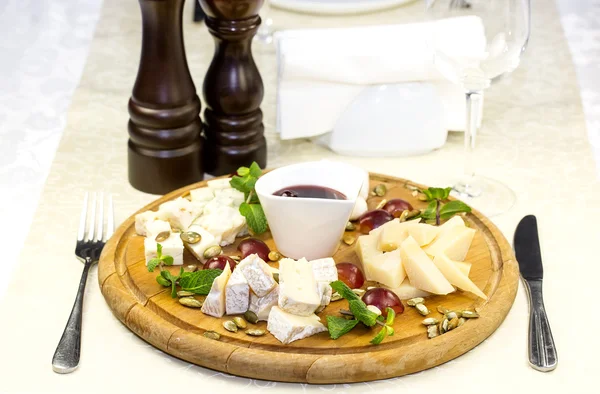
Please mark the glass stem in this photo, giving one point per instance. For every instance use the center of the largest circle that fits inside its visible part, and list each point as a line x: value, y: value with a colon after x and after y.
x: 468, y: 187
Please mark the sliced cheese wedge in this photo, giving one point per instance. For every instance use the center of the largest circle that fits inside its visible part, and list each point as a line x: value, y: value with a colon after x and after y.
x: 421, y: 271
x: 214, y: 304
x: 376, y: 232
x: 463, y: 266
x: 387, y: 269
x: 454, y: 243
x: 455, y: 276
x: 366, y: 249
x: 393, y: 234
x: 406, y: 291
x: 423, y: 233
x: 452, y: 223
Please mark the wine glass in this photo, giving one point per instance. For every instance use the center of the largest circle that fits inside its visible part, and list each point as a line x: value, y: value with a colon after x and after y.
x: 496, y: 34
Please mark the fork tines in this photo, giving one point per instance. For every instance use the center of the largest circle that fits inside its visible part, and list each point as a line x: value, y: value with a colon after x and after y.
x: 99, y: 227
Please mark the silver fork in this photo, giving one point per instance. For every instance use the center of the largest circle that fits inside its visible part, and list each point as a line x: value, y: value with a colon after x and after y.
x: 88, y: 249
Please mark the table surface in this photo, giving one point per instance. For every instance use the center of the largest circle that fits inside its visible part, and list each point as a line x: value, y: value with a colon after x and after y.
x: 534, y: 139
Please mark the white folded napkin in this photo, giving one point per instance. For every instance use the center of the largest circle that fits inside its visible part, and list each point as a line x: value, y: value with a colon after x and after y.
x: 321, y: 71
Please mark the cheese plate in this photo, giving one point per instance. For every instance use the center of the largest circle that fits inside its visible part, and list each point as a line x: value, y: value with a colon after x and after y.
x: 148, y: 309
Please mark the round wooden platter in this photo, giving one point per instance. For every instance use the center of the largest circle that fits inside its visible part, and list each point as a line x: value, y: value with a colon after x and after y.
x: 149, y: 311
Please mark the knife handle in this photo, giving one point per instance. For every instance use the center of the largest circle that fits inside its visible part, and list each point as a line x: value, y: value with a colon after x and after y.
x: 542, y: 351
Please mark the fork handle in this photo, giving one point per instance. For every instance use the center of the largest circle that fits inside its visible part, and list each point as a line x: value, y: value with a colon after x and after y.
x: 66, y: 356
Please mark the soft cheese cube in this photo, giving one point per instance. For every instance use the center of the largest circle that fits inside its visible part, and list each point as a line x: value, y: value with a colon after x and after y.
x: 423, y: 233
x: 156, y: 227
x: 387, y: 269
x: 423, y: 274
x: 222, y: 183
x: 172, y: 246
x: 454, y: 243
x: 142, y: 220
x: 178, y: 212
x: 236, y: 196
x: 298, y: 293
x: 406, y: 291
x: 392, y: 235
x: 258, y: 274
x: 237, y: 293
x: 214, y: 304
x: 206, y: 241
x: 455, y: 276
x: 324, y: 270
x: 224, y: 222
x: 202, y: 194
x: 261, y: 306
x: 287, y: 327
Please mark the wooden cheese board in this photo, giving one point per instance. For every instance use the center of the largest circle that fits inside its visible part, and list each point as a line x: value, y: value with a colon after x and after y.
x: 148, y: 310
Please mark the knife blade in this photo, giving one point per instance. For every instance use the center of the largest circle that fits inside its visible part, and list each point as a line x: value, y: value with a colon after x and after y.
x: 542, y: 350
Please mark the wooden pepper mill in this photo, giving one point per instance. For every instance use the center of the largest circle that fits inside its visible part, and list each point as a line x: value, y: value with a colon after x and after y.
x: 233, y: 89
x: 165, y: 144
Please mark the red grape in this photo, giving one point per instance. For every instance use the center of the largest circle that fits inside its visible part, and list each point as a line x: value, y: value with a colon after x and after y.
x: 396, y: 206
x: 251, y: 246
x: 383, y: 298
x: 219, y: 262
x: 351, y: 275
x: 373, y: 219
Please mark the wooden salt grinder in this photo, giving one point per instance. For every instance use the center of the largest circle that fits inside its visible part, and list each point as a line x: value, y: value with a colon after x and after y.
x: 233, y: 89
x: 165, y: 146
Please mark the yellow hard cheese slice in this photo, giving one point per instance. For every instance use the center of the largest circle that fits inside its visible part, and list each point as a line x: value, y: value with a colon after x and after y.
x: 366, y: 249
x: 455, y: 276
x: 423, y: 233
x: 463, y: 266
x: 452, y: 223
x: 386, y: 269
x: 392, y: 234
x: 454, y: 243
x: 421, y: 271
x: 406, y: 291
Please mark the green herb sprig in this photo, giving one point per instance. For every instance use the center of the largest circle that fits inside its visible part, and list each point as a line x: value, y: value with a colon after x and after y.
x: 251, y: 209
x: 198, y: 282
x: 159, y: 260
x: 439, y: 208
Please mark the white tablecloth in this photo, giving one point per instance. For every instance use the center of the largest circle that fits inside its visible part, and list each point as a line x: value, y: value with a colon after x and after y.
x: 534, y: 139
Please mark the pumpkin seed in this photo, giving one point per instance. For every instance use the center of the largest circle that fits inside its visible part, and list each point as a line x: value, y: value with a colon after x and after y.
x: 443, y: 326
x: 213, y: 251
x: 251, y: 317
x: 335, y: 296
x: 274, y: 256
x: 190, y: 302
x: 470, y: 314
x: 415, y: 193
x: 432, y: 331
x: 255, y: 332
x: 276, y: 276
x: 350, y: 226
x: 415, y: 301
x: 430, y: 321
x: 371, y: 287
x: 184, y: 293
x: 422, y: 309
x: 235, y: 258
x: 461, y: 321
x: 230, y: 325
x: 422, y: 197
x: 403, y: 216
x: 212, y: 335
x: 358, y: 292
x: 240, y: 322
x: 380, y: 190
x: 442, y: 310
x: 162, y: 236
x: 190, y: 237
x: 374, y: 309
x: 451, y: 315
x: 453, y: 323
x: 191, y: 268
x: 349, y: 239
x: 381, y: 204
x: 412, y: 214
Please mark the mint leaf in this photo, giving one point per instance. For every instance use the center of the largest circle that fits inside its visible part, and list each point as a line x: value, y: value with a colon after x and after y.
x: 255, y: 170
x: 437, y: 193
x: 452, y: 208
x: 380, y: 337
x: 339, y: 326
x: 199, y: 282
x: 162, y: 281
x: 360, y: 311
x: 244, y: 184
x: 243, y: 171
x: 158, y: 250
x: 168, y: 260
x: 152, y: 264
x: 344, y: 290
x: 391, y: 315
x: 429, y: 212
x: 167, y: 275
x: 255, y: 217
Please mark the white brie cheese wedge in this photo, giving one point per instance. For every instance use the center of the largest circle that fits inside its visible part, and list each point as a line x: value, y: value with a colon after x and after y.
x: 287, y: 327
x: 421, y: 271
x: 172, y: 246
x: 325, y: 272
x: 258, y: 274
x: 237, y: 293
x: 178, y: 212
x: 206, y: 241
x: 298, y: 293
x: 261, y: 306
x: 214, y: 304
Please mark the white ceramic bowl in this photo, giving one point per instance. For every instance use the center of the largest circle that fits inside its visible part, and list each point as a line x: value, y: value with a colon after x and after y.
x: 309, y: 227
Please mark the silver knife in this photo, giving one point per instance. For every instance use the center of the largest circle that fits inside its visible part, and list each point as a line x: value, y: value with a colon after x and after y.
x: 542, y: 351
